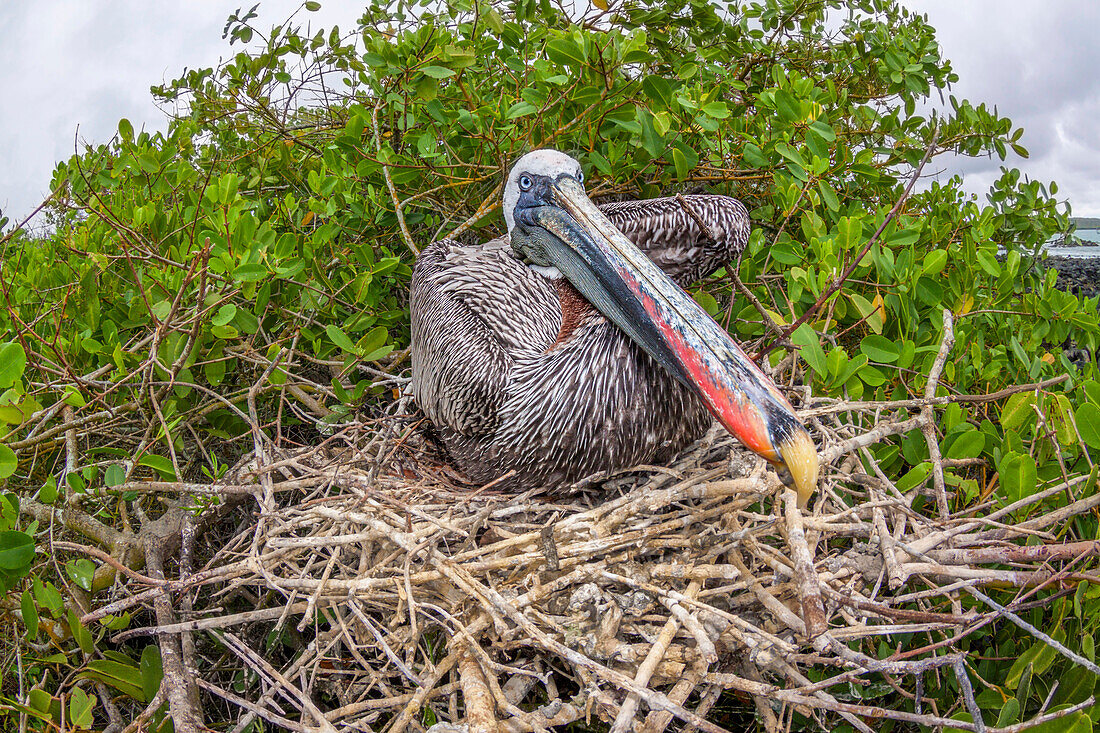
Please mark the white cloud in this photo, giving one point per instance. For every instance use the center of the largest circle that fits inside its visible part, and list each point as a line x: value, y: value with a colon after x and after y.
x: 1036, y: 62
x: 69, y: 63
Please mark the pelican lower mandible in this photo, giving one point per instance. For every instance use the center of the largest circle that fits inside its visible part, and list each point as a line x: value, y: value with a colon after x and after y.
x: 570, y: 347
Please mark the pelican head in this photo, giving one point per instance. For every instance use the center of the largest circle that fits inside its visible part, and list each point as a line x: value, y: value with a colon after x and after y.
x: 553, y: 224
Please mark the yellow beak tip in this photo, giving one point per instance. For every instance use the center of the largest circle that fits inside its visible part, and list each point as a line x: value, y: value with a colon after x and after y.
x: 801, y: 460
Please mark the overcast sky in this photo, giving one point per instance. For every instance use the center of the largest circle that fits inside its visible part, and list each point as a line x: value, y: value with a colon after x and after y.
x: 66, y: 64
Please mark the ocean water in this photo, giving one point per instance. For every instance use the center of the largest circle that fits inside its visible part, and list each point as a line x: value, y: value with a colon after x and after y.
x: 1084, y: 252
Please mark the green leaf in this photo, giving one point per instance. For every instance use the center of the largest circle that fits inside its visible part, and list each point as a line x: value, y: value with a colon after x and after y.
x: 8, y: 461
x: 652, y: 141
x: 828, y: 196
x: 160, y: 464
x: 879, y: 348
x: 811, y: 351
x: 372, y: 340
x: 915, y: 477
x: 988, y: 262
x: 754, y: 156
x: 12, y: 362
x: 717, y: 110
x: 126, y: 678
x: 49, y: 597
x: 1075, y: 685
x: 1037, y: 657
x: 836, y: 362
x: 679, y: 160
x: 427, y: 88
x: 215, y: 371
x: 1092, y: 391
x: 80, y: 634
x: 935, y: 261
x: 81, y: 572
x: 377, y: 353
x: 1088, y: 424
x: 250, y: 273
x: 114, y: 476
x: 658, y: 89
x: 520, y: 109
x: 787, y: 106
x: 16, y: 550
x: 823, y: 129
x: 850, y: 230
x: 30, y: 615
x: 962, y: 717
x: 81, y: 705
x: 224, y: 315
x: 1018, y: 475
x: 1010, y: 712
x: 707, y: 301
x: 903, y: 238
x: 871, y: 376
x: 116, y: 623
x: 565, y: 52
x: 1061, y: 416
x: 73, y: 398
x: 1018, y: 410
x: 227, y: 333
x: 790, y: 154
x: 338, y: 337
x: 40, y: 700
x: 152, y: 671
x: 968, y: 444
x: 929, y: 292
x: 437, y: 72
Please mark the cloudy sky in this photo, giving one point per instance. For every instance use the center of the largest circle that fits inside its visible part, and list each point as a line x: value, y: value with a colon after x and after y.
x: 70, y: 64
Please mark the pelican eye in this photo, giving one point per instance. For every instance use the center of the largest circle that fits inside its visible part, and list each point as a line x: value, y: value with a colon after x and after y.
x: 525, y: 183
x: 580, y: 176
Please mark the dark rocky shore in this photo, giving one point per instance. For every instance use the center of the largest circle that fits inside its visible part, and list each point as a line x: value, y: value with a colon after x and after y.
x: 1077, y: 275
x: 1082, y: 277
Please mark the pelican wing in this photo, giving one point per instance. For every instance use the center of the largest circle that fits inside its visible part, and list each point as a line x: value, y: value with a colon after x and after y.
x: 474, y: 310
x: 672, y: 238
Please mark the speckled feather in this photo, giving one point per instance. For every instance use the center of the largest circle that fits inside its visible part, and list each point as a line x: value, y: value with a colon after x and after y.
x: 505, y: 394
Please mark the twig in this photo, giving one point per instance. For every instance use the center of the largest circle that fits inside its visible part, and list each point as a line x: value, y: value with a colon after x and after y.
x: 476, y: 695
x: 397, y: 205
x: 928, y: 425
x: 809, y: 593
x: 968, y: 695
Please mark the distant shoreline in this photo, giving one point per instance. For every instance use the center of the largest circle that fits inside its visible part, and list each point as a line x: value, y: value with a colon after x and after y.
x: 1069, y: 241
x: 1081, y: 224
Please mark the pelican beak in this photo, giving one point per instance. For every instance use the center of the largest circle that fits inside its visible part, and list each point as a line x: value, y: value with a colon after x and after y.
x: 564, y: 228
x: 800, y: 459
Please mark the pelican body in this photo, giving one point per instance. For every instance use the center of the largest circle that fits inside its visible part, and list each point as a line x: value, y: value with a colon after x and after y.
x: 569, y: 347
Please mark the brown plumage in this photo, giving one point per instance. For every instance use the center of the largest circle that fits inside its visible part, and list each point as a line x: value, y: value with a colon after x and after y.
x: 519, y: 373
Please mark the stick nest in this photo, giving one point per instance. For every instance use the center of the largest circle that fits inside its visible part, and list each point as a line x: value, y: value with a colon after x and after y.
x: 365, y: 588
x: 634, y: 600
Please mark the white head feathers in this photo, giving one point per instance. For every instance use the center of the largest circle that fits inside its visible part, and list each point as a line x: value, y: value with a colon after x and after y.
x: 545, y: 162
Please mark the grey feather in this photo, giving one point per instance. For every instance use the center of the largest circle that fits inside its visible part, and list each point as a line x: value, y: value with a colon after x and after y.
x: 504, y: 395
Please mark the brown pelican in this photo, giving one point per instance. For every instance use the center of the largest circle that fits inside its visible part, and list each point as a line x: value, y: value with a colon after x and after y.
x: 564, y: 350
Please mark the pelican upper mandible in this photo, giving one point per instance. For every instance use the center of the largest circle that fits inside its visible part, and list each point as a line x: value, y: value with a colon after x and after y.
x: 564, y: 349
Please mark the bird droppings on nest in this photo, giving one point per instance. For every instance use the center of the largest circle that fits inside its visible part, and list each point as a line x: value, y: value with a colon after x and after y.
x: 388, y: 598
